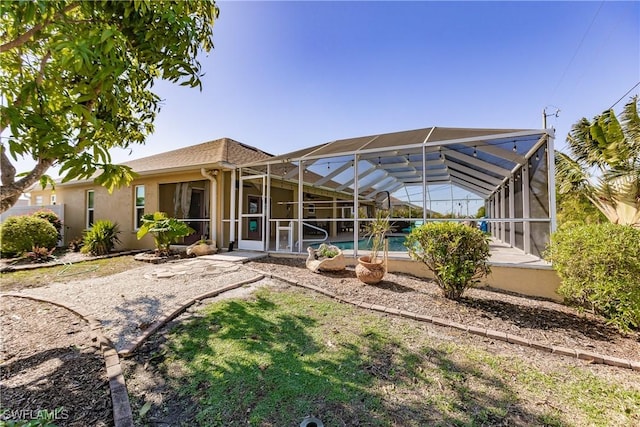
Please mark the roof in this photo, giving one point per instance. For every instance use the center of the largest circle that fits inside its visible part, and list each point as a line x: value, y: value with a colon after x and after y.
x: 478, y: 160
x: 223, y: 150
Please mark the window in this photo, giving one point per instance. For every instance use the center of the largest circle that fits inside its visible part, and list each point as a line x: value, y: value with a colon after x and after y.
x: 90, y: 208
x: 138, y: 209
x: 53, y: 199
x: 38, y: 200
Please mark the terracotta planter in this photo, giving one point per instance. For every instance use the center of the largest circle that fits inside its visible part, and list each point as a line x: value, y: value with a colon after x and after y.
x: 368, y: 272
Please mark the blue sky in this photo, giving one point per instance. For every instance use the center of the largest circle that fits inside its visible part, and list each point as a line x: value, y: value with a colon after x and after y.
x: 286, y: 75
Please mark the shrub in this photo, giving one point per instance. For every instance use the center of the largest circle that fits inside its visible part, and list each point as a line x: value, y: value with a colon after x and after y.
x: 101, y: 238
x: 455, y: 253
x: 165, y: 230
x: 53, y: 219
x: 39, y: 254
x: 19, y: 234
x: 599, y: 265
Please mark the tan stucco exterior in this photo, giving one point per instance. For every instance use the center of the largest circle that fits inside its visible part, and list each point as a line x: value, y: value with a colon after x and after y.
x: 534, y: 282
x: 117, y: 206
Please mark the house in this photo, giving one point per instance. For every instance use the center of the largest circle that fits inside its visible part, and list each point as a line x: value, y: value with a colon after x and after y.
x: 192, y: 184
x: 231, y: 192
x: 234, y: 193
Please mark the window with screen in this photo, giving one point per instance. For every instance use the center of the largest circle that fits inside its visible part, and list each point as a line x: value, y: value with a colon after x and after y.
x: 138, y: 206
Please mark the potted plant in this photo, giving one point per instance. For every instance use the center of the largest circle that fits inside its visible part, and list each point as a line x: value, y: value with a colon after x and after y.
x: 325, y: 258
x: 371, y: 269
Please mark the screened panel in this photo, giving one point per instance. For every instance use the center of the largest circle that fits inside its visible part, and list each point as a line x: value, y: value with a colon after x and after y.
x: 445, y: 134
x: 343, y: 146
x: 518, y: 210
x: 539, y: 203
x: 507, y: 225
x: 411, y: 137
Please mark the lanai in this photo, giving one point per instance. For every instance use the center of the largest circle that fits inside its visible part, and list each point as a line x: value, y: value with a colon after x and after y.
x: 340, y: 182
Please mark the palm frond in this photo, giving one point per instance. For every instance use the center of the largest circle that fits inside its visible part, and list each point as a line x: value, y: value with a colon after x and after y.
x: 612, y: 145
x: 631, y: 126
x: 584, y: 148
x: 607, y: 130
x: 571, y: 176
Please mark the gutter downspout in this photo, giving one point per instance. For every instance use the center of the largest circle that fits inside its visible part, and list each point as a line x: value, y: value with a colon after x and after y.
x: 232, y: 207
x: 213, y: 202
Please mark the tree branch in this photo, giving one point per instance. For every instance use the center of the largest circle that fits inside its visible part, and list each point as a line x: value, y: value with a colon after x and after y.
x: 25, y: 37
x: 43, y: 63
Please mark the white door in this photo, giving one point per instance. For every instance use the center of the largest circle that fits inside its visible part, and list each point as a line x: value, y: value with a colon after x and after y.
x: 253, y: 210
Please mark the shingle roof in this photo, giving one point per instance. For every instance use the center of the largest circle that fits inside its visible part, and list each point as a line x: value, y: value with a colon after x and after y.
x: 208, y: 153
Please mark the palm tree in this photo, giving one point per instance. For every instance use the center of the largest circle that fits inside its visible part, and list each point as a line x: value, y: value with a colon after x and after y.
x: 604, y: 164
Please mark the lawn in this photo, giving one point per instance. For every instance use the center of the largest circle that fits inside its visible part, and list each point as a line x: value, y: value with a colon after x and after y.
x: 281, y: 355
x: 16, y: 280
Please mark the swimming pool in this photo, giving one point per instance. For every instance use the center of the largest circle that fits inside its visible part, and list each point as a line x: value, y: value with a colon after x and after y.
x: 396, y: 244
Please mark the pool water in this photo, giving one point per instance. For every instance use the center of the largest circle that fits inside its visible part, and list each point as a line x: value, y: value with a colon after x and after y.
x: 396, y: 244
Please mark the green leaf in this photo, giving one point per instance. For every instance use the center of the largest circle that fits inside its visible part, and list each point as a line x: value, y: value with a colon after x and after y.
x: 145, y: 408
x: 106, y: 33
x: 97, y: 78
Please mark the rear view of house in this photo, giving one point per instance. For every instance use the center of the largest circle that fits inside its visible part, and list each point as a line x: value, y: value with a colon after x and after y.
x: 192, y: 184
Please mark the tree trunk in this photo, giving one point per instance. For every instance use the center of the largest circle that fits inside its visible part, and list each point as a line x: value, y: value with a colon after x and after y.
x: 11, y: 189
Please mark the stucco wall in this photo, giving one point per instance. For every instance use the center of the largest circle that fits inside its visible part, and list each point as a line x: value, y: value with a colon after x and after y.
x: 117, y: 206
x: 534, y: 282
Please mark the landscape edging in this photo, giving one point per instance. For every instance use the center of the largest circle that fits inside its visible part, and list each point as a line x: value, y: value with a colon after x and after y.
x: 179, y: 309
x: 122, y: 415
x: 501, y: 336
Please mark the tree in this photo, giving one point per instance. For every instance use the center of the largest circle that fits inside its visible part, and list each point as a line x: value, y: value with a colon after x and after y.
x: 76, y: 79
x: 604, y: 165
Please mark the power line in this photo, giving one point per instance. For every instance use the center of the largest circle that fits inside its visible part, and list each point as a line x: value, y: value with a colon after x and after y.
x: 564, y: 73
x: 622, y: 97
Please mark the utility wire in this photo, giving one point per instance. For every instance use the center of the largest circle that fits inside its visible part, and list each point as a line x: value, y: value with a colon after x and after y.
x: 622, y: 97
x: 564, y: 73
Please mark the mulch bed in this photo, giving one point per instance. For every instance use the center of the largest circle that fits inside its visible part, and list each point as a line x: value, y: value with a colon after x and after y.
x: 47, y: 362
x: 538, y: 320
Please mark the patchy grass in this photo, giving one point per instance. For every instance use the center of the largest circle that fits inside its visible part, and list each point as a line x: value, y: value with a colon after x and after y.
x: 273, y: 359
x: 16, y: 280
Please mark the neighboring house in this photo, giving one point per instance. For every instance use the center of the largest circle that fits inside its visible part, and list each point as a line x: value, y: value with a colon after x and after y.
x: 192, y: 184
